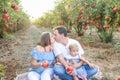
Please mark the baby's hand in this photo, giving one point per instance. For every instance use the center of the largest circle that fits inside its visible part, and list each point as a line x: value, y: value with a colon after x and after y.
x: 73, y: 62
x: 91, y: 65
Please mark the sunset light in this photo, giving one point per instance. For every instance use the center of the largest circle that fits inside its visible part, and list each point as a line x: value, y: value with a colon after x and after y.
x: 36, y: 8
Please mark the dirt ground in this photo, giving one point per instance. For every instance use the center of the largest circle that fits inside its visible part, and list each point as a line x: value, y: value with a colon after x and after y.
x: 14, y: 53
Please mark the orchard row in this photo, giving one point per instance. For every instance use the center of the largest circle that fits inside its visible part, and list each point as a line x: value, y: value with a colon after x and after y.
x: 81, y: 15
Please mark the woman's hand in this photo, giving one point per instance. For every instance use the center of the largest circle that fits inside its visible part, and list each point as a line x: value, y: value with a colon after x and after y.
x: 34, y: 63
x: 45, y: 64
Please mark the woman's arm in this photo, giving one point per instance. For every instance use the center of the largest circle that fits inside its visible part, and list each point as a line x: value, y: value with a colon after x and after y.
x: 34, y: 63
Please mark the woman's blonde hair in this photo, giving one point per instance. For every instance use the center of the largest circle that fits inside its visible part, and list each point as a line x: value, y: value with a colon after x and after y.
x: 44, y: 39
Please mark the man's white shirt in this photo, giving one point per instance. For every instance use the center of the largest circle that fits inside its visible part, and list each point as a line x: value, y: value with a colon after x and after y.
x: 59, y: 48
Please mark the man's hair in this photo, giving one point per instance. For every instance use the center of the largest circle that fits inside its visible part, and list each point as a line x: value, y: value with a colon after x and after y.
x: 61, y: 30
x: 44, y: 39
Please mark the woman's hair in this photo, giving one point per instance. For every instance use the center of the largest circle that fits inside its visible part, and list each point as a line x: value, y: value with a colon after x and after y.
x: 44, y: 39
x: 73, y: 46
x: 61, y: 30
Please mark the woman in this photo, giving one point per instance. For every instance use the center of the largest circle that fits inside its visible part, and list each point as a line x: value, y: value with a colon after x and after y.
x: 42, y: 59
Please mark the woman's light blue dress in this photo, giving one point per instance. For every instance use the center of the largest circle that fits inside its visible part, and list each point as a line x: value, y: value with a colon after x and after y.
x: 41, y: 56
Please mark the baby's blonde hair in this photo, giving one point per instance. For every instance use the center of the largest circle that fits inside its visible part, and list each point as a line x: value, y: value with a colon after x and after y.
x: 73, y: 46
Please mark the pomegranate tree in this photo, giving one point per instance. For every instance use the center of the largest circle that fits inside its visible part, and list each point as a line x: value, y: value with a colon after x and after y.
x: 9, y: 16
x: 104, y: 15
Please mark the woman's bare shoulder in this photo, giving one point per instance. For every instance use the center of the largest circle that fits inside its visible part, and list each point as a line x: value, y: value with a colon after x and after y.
x: 39, y: 48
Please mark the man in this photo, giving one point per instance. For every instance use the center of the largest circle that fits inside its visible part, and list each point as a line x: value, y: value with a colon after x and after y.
x: 61, y: 50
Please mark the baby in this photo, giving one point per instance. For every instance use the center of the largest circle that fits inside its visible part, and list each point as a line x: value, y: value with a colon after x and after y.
x: 74, y: 58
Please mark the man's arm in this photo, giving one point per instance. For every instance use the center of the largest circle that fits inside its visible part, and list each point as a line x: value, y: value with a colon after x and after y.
x: 57, y: 48
x: 62, y: 60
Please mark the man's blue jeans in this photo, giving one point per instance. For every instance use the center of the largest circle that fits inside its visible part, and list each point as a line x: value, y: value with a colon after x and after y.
x: 60, y: 71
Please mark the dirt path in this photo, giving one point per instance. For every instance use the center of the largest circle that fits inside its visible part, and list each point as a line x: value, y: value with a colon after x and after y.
x: 24, y: 43
x: 14, y: 54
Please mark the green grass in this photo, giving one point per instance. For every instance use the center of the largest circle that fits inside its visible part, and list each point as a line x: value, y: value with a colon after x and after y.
x: 9, y: 36
x: 87, y: 39
x: 2, y: 72
x: 117, y: 45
